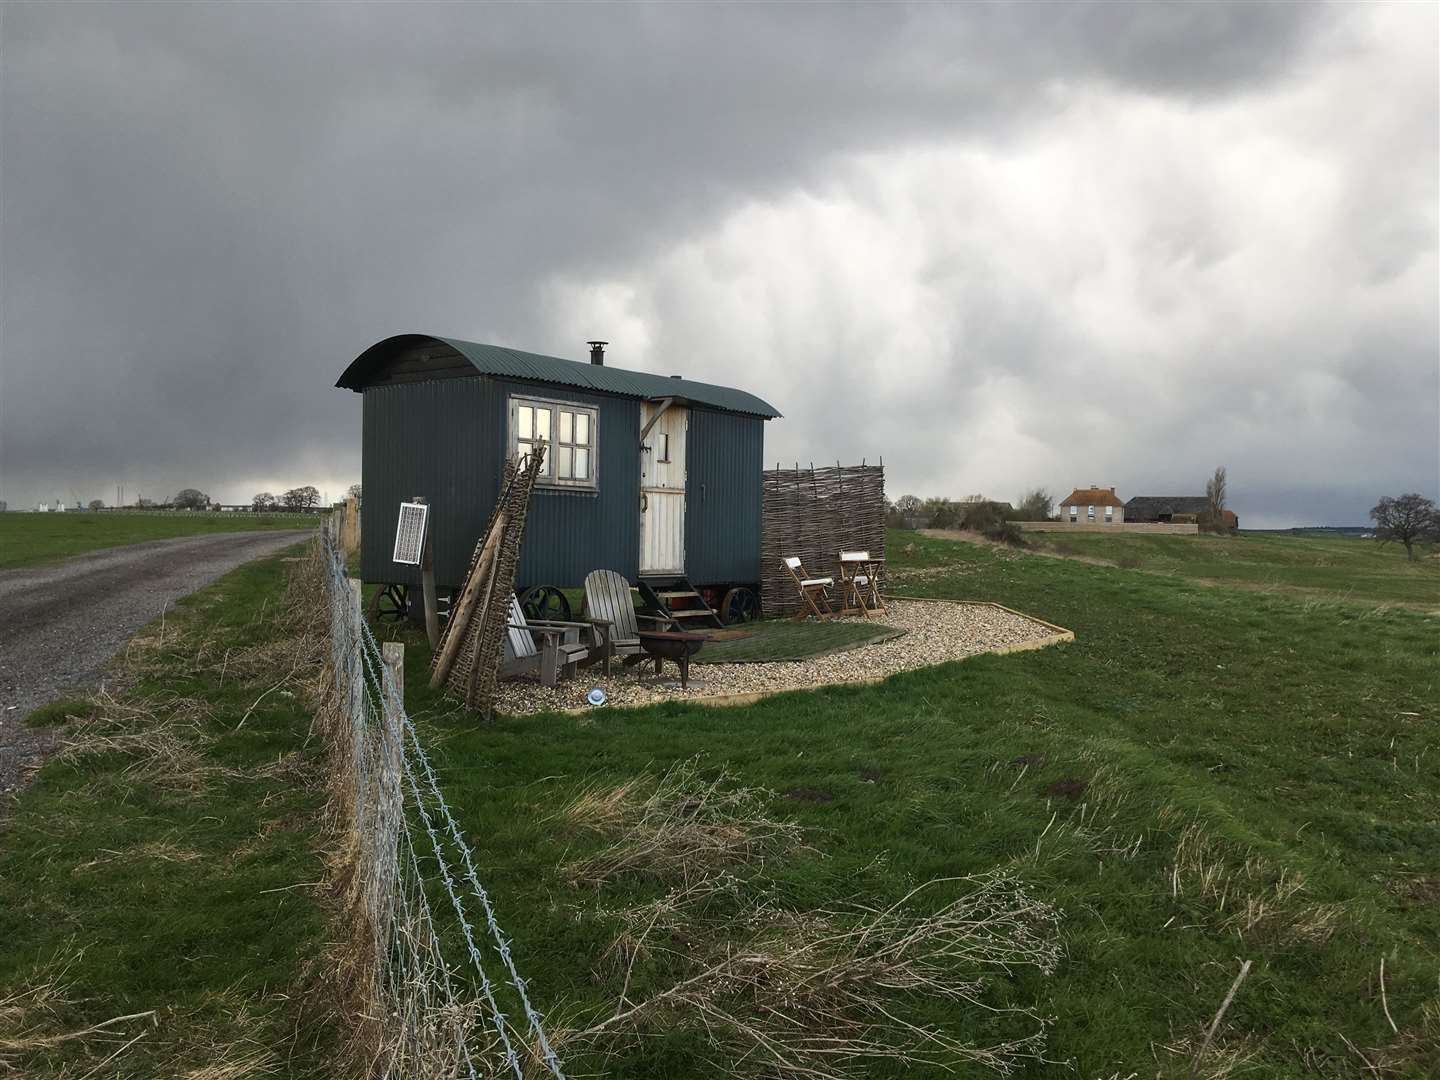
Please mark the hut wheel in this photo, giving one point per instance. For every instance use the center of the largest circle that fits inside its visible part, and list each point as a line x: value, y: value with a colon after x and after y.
x: 740, y: 605
x: 545, y: 603
x: 391, y: 603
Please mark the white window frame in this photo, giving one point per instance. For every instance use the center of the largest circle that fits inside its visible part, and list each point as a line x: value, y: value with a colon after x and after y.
x: 549, y: 477
x: 1090, y: 513
x: 1109, y: 514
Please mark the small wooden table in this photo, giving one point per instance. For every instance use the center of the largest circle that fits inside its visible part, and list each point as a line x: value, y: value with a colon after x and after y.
x: 672, y: 645
x: 860, y: 581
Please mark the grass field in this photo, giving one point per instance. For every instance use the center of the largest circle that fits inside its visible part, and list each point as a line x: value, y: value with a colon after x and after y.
x: 1207, y: 775
x: 1359, y: 569
x: 31, y: 539
x: 164, y: 868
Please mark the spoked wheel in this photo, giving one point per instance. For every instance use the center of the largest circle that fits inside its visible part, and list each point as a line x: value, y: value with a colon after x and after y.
x: 390, y: 604
x: 543, y: 603
x: 740, y: 605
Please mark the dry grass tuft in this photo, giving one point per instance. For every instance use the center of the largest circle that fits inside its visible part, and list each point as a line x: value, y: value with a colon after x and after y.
x: 1255, y: 898
x: 161, y: 735
x: 30, y: 1022
x: 679, y: 825
x: 822, y: 994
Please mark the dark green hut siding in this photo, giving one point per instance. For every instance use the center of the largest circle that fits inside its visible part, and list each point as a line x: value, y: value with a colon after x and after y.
x: 445, y: 440
x: 723, y: 494
x: 436, y: 439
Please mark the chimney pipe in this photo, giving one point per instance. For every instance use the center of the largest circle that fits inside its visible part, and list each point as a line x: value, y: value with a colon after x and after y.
x: 597, y: 352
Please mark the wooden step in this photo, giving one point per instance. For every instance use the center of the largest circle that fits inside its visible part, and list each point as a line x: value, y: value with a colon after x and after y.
x: 678, y: 594
x: 692, y: 613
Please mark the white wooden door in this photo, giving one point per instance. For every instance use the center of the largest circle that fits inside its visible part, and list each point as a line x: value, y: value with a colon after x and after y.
x: 662, y: 491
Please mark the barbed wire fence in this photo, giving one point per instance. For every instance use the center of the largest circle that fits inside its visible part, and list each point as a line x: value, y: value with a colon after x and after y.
x: 425, y: 969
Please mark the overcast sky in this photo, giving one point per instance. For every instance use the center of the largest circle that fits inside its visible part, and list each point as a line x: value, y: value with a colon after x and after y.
x: 999, y: 245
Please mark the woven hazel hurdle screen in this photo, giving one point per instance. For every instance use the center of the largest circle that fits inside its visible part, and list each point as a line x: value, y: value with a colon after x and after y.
x: 816, y: 514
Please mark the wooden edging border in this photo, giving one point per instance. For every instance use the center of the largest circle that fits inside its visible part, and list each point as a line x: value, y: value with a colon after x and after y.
x: 1060, y: 636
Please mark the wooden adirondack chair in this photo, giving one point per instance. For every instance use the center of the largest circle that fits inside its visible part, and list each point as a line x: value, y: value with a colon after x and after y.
x: 810, y: 588
x: 608, y: 602
x: 553, y: 650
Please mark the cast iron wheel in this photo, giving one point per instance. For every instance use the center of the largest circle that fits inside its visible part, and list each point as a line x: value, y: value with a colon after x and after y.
x: 390, y: 604
x: 545, y: 603
x: 740, y: 605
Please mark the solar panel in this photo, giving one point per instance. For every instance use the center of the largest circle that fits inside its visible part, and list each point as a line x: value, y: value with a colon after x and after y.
x: 410, y: 533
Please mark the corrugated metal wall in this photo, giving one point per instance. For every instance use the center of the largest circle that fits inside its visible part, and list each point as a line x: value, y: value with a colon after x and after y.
x: 442, y: 440
x: 722, y: 525
x: 446, y: 440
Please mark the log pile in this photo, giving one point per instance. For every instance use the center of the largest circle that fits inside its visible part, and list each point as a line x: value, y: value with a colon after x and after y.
x: 816, y: 514
x: 469, y: 652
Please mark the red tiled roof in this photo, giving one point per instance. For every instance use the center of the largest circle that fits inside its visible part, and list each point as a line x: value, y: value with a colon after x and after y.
x: 1092, y: 497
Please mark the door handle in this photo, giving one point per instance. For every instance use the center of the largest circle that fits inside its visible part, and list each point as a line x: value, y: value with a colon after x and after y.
x: 644, y: 502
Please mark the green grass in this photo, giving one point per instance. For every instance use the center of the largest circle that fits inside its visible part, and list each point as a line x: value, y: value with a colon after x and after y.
x: 175, y: 883
x: 1355, y: 569
x: 31, y: 539
x: 1290, y: 738
x: 789, y: 639
x: 1252, y: 740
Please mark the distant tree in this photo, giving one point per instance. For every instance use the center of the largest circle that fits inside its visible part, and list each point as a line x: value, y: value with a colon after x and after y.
x: 943, y: 513
x: 144, y: 502
x: 909, y: 505
x: 4, y: 506
x: 301, y: 498
x: 1409, y: 519
x: 97, y: 504
x: 353, y: 491
x: 262, y: 502
x: 191, y: 499
x: 1213, y: 518
x: 1036, y: 505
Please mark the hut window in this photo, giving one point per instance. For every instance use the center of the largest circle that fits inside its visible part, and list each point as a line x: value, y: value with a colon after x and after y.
x: 569, y: 432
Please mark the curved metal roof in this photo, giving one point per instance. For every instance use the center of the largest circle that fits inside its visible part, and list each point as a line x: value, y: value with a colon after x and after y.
x: 368, y: 367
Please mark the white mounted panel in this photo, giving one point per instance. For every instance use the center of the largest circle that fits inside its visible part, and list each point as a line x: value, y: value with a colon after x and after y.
x: 410, y: 533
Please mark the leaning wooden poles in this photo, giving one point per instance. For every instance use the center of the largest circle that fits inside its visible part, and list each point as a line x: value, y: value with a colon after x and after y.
x: 469, y: 653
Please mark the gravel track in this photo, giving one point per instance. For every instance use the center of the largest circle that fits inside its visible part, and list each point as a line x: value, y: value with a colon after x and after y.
x: 60, y: 624
x: 934, y: 634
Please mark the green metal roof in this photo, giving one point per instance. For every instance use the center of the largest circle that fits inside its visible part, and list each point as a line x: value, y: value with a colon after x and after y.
x: 368, y: 368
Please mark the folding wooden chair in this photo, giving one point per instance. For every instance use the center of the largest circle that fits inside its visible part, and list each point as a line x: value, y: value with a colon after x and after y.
x: 810, y: 588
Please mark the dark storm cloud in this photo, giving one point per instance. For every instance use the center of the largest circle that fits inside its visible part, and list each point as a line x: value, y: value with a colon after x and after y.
x: 208, y: 209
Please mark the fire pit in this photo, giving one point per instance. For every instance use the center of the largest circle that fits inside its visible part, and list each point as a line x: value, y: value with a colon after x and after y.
x: 672, y: 645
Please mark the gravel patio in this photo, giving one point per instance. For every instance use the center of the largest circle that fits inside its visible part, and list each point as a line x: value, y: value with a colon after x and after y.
x: 935, y: 632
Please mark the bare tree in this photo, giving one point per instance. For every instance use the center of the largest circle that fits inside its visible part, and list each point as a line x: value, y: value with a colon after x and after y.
x: 301, y: 498
x: 191, y: 499
x: 1214, y: 519
x: 909, y: 505
x: 262, y: 502
x: 97, y: 504
x: 353, y: 491
x: 1409, y: 519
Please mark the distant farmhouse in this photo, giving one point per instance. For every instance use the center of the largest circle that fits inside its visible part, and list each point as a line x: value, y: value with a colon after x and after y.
x: 1093, y: 505
x: 1176, y: 509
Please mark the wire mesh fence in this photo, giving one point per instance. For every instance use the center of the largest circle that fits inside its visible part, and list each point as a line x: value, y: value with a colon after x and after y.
x: 427, y: 974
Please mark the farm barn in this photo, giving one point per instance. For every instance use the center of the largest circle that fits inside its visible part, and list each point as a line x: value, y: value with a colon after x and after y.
x: 656, y: 477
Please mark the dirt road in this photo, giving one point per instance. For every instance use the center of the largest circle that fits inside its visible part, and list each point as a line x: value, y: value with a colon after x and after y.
x: 59, y: 624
